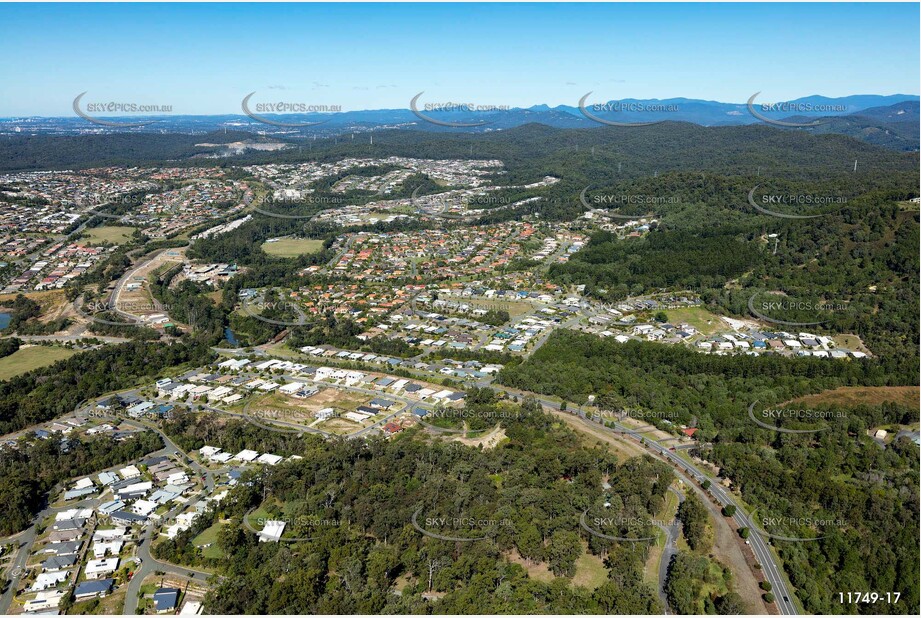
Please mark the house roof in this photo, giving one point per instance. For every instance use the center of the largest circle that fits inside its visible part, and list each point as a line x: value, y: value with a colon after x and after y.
x: 166, y: 598
x: 94, y: 586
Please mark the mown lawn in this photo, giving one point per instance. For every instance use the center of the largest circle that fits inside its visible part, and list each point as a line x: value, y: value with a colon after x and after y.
x: 292, y: 247
x: 33, y: 357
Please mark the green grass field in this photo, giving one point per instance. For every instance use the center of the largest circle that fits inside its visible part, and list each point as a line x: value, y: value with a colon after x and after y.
x: 209, y: 537
x: 113, y: 234
x: 27, y: 359
x: 292, y: 247
x: 698, y: 317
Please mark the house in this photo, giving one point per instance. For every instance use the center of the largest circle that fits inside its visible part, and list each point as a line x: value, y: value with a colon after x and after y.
x: 128, y: 519
x: 49, y: 580
x: 108, y: 478
x: 113, y: 548
x: 392, y: 428
x: 129, y: 472
x: 44, y: 602
x: 91, y: 589
x: 268, y: 458
x: 144, y: 507
x: 65, y: 536
x: 689, y: 431
x: 191, y: 608
x: 111, y: 534
x: 325, y: 414
x: 208, y: 451
x: 166, y: 600
x: 246, y: 455
x: 138, y: 410
x: 95, y: 569
x: 272, y: 531
x: 68, y: 524
x: 108, y: 508
x: 135, y: 490
x: 62, y: 549
x: 76, y: 494
x: 58, y: 563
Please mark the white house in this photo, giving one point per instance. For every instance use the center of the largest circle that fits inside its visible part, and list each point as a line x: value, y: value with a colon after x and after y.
x: 101, y: 567
x: 272, y: 531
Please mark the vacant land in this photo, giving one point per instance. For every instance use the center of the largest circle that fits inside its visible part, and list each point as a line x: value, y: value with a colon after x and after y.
x: 32, y: 357
x: 515, y: 308
x: 208, y: 541
x: 849, y: 396
x: 698, y: 317
x: 292, y: 247
x: 590, y: 569
x: 113, y: 234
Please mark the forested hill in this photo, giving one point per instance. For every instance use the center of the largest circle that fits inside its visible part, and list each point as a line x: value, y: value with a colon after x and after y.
x: 583, y: 155
x: 48, y: 152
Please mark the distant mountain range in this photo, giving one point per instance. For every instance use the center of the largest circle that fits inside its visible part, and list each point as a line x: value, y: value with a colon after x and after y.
x: 891, y: 121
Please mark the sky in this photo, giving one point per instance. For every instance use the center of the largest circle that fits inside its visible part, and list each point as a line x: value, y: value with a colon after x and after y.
x: 204, y: 58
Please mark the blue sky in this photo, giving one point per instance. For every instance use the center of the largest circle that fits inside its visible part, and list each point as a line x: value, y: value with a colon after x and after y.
x: 203, y: 58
